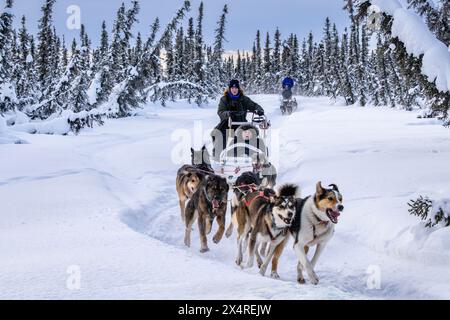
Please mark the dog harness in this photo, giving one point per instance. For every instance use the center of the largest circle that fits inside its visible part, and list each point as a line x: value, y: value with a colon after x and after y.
x: 272, y: 237
x: 260, y: 195
x: 245, y: 189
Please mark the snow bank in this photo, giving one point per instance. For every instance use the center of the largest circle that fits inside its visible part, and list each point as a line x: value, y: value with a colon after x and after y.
x: 2, y: 125
x: 55, y: 126
x: 59, y: 125
x: 5, y: 136
x: 424, y: 242
x: 418, y: 40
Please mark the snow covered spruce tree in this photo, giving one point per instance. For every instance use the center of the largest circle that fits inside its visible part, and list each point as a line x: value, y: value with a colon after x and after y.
x: 139, y: 83
x: 419, y: 66
x: 25, y: 77
x: 216, y: 69
x: 437, y: 15
x: 8, y: 97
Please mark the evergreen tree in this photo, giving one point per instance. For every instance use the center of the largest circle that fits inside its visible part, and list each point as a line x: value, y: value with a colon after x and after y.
x: 382, y: 73
x: 437, y: 18
x: 328, y: 76
x: 362, y: 69
x: 199, y: 57
x: 179, y: 61
x: 217, y: 75
x: 44, y: 59
x: 347, y: 89
x: 336, y: 83
x: 7, y: 89
x: 133, y: 91
x: 267, y: 65
x: 25, y: 81
x: 276, y: 61
x: 309, y: 66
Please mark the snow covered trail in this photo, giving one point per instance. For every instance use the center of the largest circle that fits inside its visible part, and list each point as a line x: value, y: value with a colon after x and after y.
x: 105, y: 202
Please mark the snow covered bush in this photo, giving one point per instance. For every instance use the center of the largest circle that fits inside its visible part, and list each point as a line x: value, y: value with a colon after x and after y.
x: 78, y: 121
x: 434, y: 212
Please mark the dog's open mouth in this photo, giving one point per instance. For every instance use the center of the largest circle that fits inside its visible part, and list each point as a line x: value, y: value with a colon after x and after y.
x: 287, y: 221
x: 216, y: 204
x: 333, y: 215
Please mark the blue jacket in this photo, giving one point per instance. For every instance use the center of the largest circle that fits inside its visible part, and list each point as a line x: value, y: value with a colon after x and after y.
x: 288, y: 82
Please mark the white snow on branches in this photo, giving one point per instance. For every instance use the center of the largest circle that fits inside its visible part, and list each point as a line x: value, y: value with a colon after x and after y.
x: 418, y: 40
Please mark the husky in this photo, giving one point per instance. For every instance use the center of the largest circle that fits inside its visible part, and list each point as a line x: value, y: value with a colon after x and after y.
x: 316, y: 217
x: 209, y: 202
x: 201, y: 160
x: 187, y: 182
x: 264, y: 218
x: 266, y: 171
x: 246, y: 183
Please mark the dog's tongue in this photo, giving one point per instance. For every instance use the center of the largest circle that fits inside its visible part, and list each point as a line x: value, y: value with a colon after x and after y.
x: 335, y: 214
x: 215, y: 204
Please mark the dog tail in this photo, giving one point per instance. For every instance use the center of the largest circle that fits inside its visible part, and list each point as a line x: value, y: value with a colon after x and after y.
x: 288, y: 190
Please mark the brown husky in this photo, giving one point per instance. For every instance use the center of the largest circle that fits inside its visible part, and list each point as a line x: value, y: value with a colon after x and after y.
x: 187, y: 183
x: 264, y: 218
x: 210, y: 201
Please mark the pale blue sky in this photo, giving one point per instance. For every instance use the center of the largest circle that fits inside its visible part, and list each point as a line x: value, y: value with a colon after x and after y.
x: 245, y: 17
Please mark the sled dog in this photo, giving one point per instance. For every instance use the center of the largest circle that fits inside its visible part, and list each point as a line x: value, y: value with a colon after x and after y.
x: 201, y: 160
x: 264, y: 218
x: 209, y: 202
x: 313, y: 225
x: 187, y: 183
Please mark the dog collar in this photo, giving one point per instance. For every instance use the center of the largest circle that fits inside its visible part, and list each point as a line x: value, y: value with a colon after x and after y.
x: 283, y: 232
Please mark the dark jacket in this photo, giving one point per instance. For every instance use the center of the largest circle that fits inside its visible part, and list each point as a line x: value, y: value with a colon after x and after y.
x: 241, y: 105
x: 287, y: 94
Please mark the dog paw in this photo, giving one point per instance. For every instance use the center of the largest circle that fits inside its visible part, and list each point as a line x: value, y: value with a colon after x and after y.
x: 313, y: 278
x: 217, y: 239
x: 262, y: 271
x: 301, y: 281
x: 204, y: 250
x: 275, y: 276
x: 187, y: 242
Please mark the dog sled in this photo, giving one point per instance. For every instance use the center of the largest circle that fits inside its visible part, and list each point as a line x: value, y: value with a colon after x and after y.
x: 288, y: 106
x: 232, y: 162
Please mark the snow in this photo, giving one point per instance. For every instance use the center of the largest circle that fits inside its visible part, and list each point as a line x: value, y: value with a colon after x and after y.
x: 418, y: 40
x: 56, y: 124
x: 29, y: 58
x: 93, y: 89
x: 105, y: 202
x: 7, y: 92
x: 5, y: 136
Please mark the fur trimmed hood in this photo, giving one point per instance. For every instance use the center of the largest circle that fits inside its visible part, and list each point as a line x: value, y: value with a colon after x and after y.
x: 225, y: 94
